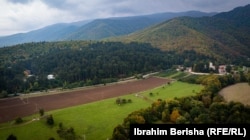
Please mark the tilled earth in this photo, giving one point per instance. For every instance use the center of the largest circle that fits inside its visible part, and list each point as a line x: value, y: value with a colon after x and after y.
x: 12, y: 108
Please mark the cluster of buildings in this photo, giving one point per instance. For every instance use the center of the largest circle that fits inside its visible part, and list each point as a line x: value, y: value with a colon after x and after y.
x: 27, y: 74
x: 221, y: 69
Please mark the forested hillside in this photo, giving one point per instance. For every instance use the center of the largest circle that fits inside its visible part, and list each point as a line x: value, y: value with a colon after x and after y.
x: 25, y: 67
x: 223, y: 36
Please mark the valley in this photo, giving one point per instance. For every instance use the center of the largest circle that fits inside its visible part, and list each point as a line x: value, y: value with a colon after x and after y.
x: 93, y: 78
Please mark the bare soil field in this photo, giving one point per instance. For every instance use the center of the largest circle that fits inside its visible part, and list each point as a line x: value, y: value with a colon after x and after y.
x: 239, y: 93
x: 12, y: 108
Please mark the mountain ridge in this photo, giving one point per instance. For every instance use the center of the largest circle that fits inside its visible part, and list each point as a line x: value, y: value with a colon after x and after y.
x: 95, y: 29
x: 217, y: 36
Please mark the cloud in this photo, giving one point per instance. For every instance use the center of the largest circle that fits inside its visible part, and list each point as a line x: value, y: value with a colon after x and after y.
x: 20, y: 1
x: 214, y: 5
x: 58, y: 4
x: 24, y: 15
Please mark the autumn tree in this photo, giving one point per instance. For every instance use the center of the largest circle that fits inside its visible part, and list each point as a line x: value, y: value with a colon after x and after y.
x: 174, y: 115
x: 135, y: 117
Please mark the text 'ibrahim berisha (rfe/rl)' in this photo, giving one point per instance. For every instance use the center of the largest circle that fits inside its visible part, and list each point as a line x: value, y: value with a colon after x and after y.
x: 210, y: 131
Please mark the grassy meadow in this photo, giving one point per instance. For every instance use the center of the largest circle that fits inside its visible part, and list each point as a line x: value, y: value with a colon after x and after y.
x: 95, y: 121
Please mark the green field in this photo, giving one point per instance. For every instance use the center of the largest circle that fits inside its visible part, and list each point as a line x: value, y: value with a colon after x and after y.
x: 173, y: 74
x: 95, y: 121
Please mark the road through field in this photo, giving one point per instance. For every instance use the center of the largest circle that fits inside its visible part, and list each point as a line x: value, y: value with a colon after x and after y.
x: 12, y: 108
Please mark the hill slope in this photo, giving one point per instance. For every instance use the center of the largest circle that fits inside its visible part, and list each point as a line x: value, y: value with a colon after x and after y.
x: 104, y: 28
x: 218, y: 36
x: 93, y: 30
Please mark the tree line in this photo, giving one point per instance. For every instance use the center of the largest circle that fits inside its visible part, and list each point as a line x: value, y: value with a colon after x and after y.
x: 207, y: 107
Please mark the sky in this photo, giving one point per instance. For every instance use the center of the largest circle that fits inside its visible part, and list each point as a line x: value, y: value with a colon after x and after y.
x: 19, y: 16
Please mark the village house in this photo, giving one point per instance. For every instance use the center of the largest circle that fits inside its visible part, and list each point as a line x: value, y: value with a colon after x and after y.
x: 188, y: 69
x: 222, y: 69
x: 211, y: 66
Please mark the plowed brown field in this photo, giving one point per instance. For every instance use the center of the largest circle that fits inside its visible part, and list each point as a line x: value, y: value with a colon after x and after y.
x: 12, y: 108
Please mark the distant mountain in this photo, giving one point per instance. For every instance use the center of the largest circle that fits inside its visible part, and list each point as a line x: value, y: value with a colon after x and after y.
x: 104, y: 28
x: 222, y: 36
x: 94, y: 30
x: 49, y: 33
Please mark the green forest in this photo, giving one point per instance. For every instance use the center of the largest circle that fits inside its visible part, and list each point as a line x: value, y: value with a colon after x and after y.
x: 24, y: 68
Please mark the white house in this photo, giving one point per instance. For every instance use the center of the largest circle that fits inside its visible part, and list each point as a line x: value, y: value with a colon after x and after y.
x: 50, y: 77
x: 211, y: 66
x: 222, y: 69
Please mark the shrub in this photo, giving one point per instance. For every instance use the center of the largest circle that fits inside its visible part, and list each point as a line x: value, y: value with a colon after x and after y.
x: 18, y: 120
x: 41, y: 112
x: 12, y: 137
x: 50, y: 120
